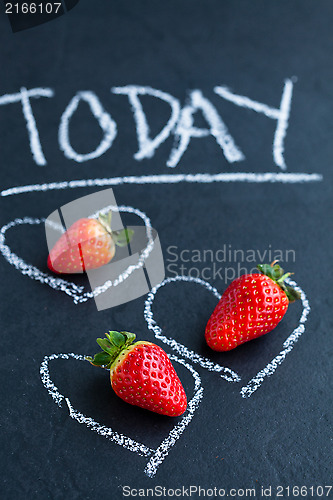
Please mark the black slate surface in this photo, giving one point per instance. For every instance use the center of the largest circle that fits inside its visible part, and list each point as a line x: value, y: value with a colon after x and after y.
x: 281, y: 435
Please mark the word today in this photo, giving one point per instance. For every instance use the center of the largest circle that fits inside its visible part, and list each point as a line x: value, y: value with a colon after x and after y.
x: 180, y: 123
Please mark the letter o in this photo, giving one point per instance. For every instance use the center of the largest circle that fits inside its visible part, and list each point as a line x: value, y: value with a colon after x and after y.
x: 105, y: 121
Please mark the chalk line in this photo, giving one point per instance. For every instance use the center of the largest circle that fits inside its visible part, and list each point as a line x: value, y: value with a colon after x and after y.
x: 34, y: 140
x: 185, y: 130
x: 24, y: 97
x: 281, y: 115
x: 282, y: 125
x: 106, y: 123
x: 270, y: 177
x: 181, y: 349
x: 288, y: 345
x: 158, y: 455
x: 102, y: 430
x: 148, y: 146
x: 175, y: 433
x: 77, y: 293
x: 29, y: 270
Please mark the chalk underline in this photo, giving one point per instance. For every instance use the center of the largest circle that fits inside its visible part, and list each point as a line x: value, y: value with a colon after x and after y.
x: 282, y: 177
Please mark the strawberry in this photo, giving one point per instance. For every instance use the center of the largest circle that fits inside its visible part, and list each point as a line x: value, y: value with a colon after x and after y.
x: 87, y: 244
x: 141, y: 373
x: 251, y: 306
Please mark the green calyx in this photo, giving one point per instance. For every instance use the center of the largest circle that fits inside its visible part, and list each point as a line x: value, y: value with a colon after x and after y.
x: 277, y: 274
x: 112, y: 345
x: 120, y: 238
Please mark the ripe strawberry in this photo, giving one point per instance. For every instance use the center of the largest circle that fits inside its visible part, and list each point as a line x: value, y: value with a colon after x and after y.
x: 251, y: 306
x: 141, y: 374
x: 87, y: 244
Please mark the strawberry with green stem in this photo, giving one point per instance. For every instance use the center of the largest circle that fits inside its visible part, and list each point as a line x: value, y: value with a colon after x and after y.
x: 251, y: 306
x: 141, y: 373
x: 87, y: 244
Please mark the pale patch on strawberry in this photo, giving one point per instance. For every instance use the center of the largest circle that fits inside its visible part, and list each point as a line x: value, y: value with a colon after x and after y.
x: 87, y: 244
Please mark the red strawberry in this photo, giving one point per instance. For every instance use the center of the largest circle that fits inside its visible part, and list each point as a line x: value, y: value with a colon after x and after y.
x: 251, y: 306
x: 141, y: 374
x: 87, y: 244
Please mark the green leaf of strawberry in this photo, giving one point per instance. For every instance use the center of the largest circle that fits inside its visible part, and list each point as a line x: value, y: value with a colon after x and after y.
x: 123, y: 237
x: 277, y: 274
x: 100, y: 359
x: 251, y: 306
x: 141, y: 373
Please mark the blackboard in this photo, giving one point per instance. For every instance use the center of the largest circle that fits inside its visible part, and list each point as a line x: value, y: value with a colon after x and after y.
x: 234, y: 167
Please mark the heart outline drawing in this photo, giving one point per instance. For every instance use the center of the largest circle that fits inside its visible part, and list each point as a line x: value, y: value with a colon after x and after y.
x: 229, y: 375
x: 77, y: 293
x: 155, y: 456
x: 73, y: 290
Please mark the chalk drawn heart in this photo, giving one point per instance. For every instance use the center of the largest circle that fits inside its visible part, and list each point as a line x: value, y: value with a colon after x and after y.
x: 254, y: 383
x: 155, y: 456
x: 77, y: 293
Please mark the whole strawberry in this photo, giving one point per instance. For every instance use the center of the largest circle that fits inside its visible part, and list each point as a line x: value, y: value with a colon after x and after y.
x: 87, y: 244
x: 251, y: 306
x: 141, y: 373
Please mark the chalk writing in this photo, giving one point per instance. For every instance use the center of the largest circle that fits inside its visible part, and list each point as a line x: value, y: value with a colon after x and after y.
x: 105, y: 121
x: 24, y: 97
x: 281, y: 115
x: 180, y: 123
